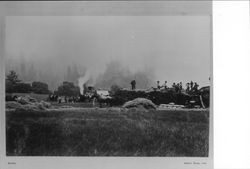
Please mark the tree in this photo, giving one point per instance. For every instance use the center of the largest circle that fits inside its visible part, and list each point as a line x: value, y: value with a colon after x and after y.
x: 12, y: 77
x: 40, y: 88
x: 9, y: 88
x: 11, y: 81
x: 14, y: 84
x: 68, y: 89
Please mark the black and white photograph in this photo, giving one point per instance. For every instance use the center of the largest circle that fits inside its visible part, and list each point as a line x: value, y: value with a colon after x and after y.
x: 109, y: 85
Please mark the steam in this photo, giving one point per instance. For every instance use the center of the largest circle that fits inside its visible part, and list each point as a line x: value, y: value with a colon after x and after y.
x: 83, y: 80
x: 117, y: 74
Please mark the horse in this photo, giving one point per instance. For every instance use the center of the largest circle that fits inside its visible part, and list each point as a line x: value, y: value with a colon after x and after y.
x: 102, y: 97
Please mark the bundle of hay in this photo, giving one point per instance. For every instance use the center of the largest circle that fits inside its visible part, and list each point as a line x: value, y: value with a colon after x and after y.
x: 26, y: 100
x: 46, y: 104
x: 140, y: 102
x: 23, y: 100
x: 27, y: 103
x: 31, y: 99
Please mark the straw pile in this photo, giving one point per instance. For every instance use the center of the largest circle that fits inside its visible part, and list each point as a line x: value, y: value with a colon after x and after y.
x: 140, y: 102
x: 27, y: 103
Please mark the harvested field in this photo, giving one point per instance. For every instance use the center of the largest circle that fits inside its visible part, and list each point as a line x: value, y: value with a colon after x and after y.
x: 107, y: 132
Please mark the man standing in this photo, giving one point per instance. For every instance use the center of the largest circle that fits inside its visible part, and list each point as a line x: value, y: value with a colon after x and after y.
x: 177, y: 89
x: 174, y: 86
x: 180, y: 87
x: 165, y: 85
x: 158, y: 85
x: 133, y: 83
x: 188, y: 87
x: 191, y: 85
x: 196, y: 87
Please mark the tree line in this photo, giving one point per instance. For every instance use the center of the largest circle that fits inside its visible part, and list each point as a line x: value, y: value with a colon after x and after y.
x: 15, y: 85
x: 30, y: 71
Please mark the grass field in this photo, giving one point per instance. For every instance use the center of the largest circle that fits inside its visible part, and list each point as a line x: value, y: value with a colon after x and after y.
x: 107, y: 132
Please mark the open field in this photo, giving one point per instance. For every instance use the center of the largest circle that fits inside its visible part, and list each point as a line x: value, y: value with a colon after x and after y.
x: 107, y: 132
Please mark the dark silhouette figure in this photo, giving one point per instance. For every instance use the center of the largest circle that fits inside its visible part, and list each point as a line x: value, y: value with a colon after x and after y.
x: 177, y: 89
x: 191, y: 85
x: 174, y: 85
x: 165, y: 85
x: 195, y: 87
x: 158, y: 85
x: 133, y: 84
x: 188, y: 87
x: 180, y: 87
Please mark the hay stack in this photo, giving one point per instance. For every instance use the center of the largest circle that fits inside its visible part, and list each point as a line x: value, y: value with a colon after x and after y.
x: 45, y: 104
x: 26, y: 100
x: 140, y: 102
x: 27, y: 103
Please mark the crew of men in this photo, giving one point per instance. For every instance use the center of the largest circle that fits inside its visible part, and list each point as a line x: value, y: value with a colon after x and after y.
x: 178, y: 87
x: 190, y: 87
x: 61, y: 99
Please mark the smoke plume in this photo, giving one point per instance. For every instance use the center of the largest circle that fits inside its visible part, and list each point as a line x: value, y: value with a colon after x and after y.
x: 117, y: 74
x: 82, y: 80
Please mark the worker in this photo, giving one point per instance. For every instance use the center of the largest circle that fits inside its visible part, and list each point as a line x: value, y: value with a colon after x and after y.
x: 158, y: 85
x: 165, y: 85
x: 133, y: 83
x: 177, y: 87
x: 174, y: 85
x: 196, y: 87
x: 188, y: 87
x: 180, y: 87
x: 191, y: 85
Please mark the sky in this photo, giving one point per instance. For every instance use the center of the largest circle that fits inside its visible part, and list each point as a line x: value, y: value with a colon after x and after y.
x: 174, y: 48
